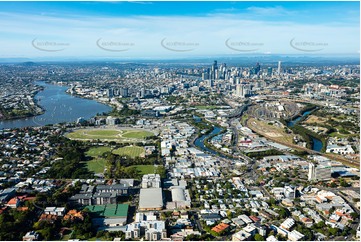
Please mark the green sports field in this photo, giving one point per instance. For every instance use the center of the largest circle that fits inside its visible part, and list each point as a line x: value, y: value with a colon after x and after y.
x: 97, y: 151
x: 117, y: 135
x: 96, y: 165
x: 132, y: 151
x: 145, y: 169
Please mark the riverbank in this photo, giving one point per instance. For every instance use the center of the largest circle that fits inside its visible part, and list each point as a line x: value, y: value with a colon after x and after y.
x: 201, y: 139
x: 314, y: 141
x: 297, y: 117
x: 59, y: 107
x: 34, y: 110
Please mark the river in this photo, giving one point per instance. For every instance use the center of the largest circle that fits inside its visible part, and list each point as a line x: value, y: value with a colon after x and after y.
x: 317, y: 144
x: 59, y: 107
x: 199, y: 142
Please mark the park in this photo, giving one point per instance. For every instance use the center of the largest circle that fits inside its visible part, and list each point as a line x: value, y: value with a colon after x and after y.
x: 116, y: 135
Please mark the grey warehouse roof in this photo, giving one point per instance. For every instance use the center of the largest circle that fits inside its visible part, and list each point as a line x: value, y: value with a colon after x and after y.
x: 150, y: 198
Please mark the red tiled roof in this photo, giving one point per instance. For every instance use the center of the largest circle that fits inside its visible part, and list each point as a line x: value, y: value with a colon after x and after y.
x: 220, y: 227
x: 13, y: 201
x: 254, y: 218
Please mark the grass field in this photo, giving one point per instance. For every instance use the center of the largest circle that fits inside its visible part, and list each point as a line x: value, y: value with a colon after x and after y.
x: 135, y: 134
x: 94, y: 134
x: 145, y: 169
x: 117, y: 135
x: 315, y: 119
x: 272, y: 131
x: 132, y: 151
x: 96, y: 165
x: 97, y: 151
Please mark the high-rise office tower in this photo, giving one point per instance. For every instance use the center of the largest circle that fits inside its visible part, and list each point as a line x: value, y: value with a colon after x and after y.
x: 222, y: 71
x: 123, y: 92
x: 257, y: 68
x: 110, y: 92
x: 213, y: 70
x: 241, y: 90
x: 205, y: 74
x: 269, y: 71
x: 279, y: 68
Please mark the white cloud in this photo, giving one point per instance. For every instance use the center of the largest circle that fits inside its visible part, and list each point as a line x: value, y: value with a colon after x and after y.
x: 270, y: 11
x: 146, y: 32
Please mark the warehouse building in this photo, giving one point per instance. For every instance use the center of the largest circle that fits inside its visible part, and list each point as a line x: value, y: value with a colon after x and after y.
x: 150, y: 199
x: 180, y: 199
x: 111, y: 217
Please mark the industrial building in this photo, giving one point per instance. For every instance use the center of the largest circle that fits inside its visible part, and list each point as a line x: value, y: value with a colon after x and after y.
x: 180, y: 198
x: 150, y: 199
x: 109, y: 217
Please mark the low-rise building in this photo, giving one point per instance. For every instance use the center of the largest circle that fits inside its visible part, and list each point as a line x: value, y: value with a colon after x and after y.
x: 152, y: 230
x: 180, y: 198
x: 151, y: 181
x: 241, y: 236
x: 58, y: 211
x: 341, y: 150
x: 295, y: 235
x: 31, y: 236
x: 288, y: 223
x: 150, y: 199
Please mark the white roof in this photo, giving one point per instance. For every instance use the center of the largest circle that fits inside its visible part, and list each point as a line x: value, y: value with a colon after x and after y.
x: 178, y: 194
x: 150, y: 198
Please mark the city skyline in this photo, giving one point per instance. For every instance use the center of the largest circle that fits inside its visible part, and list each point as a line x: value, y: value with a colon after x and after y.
x: 177, y: 29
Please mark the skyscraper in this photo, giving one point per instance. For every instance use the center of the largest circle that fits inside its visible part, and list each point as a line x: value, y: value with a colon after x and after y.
x: 110, y: 93
x: 242, y: 90
x: 123, y: 92
x: 213, y: 70
x: 269, y: 71
x: 279, y: 68
x: 257, y: 68
x: 205, y: 74
x: 239, y: 90
x: 223, y: 71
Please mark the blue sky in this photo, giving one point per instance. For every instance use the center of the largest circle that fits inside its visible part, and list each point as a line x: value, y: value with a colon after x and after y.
x: 177, y: 29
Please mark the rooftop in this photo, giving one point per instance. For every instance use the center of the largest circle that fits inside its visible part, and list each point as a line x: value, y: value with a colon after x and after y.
x: 150, y: 198
x: 110, y: 210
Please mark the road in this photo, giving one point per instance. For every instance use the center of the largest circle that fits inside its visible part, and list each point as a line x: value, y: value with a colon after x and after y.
x: 231, y: 120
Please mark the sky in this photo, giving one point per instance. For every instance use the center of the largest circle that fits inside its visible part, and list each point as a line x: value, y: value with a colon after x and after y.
x: 177, y: 29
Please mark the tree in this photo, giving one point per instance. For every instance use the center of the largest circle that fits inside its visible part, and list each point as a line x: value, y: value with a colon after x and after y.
x: 354, y: 215
x: 343, y: 183
x: 333, y: 231
x: 320, y: 224
x: 47, y: 233
x: 333, y: 185
x: 283, y: 212
x: 258, y: 237
x: 272, y: 201
x: 229, y: 214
